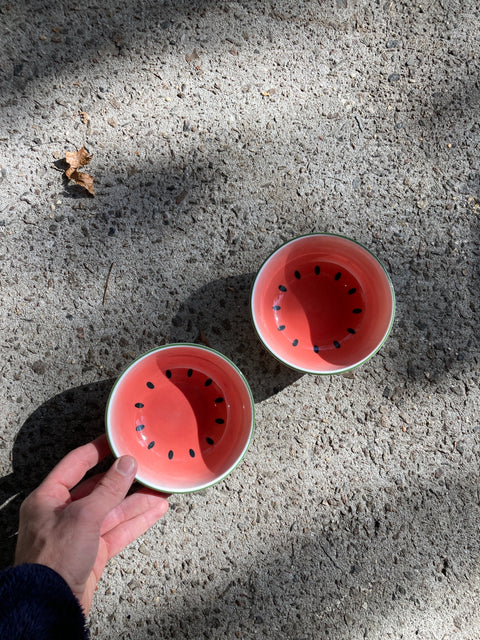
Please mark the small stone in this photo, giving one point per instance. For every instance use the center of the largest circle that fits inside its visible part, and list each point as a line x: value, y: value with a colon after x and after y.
x: 39, y: 367
x: 189, y: 57
x: 411, y: 369
x: 394, y: 77
x: 144, y: 550
x: 133, y: 584
x: 181, y: 197
x: 348, y: 619
x: 392, y: 44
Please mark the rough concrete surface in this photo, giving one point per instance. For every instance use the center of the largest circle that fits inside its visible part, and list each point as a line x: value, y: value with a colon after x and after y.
x: 218, y: 131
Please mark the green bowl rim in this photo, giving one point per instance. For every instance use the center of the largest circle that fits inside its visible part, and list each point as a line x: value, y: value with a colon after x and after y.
x: 203, y: 348
x: 345, y: 369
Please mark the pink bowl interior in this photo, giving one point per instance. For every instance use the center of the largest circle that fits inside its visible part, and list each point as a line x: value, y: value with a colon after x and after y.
x: 185, y: 413
x: 322, y: 304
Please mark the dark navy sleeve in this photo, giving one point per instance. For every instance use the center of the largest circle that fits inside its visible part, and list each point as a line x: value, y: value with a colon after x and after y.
x: 37, y: 604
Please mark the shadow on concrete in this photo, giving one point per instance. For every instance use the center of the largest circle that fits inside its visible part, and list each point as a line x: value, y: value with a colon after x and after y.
x: 218, y: 315
x: 68, y: 420
x: 362, y: 574
x: 42, y: 39
x: 436, y: 308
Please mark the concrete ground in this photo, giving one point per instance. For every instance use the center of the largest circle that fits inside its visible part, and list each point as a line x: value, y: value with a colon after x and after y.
x: 218, y: 131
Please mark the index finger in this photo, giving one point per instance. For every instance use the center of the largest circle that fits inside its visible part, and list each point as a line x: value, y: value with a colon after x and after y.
x: 71, y: 469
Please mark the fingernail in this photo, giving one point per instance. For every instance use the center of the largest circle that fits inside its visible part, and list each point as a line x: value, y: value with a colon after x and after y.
x: 126, y: 465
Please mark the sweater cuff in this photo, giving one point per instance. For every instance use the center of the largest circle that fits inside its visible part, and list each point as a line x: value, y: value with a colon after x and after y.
x: 36, y: 602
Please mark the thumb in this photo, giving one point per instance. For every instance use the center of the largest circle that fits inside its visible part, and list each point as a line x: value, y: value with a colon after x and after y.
x: 112, y: 488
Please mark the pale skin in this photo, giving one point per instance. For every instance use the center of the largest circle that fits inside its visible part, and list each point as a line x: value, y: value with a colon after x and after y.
x: 75, y: 529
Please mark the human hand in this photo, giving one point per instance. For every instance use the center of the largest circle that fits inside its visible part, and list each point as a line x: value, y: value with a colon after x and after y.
x: 76, y: 528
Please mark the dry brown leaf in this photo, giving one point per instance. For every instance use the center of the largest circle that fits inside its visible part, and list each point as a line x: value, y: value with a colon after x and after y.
x: 75, y: 160
x: 84, y: 180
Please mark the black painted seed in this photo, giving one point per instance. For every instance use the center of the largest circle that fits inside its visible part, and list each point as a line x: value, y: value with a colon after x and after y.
x: 315, y: 348
x: 140, y: 427
x: 350, y: 330
x: 295, y: 342
x: 336, y: 344
x: 192, y: 453
x: 208, y: 382
x: 219, y: 420
x: 357, y: 311
x: 282, y: 288
x: 352, y: 291
x: 276, y: 307
x: 139, y: 405
x: 152, y: 444
x: 338, y: 275
x: 219, y: 400
x: 190, y: 373
x: 317, y: 270
x: 281, y: 327
x: 170, y: 454
x: 297, y: 275
x: 209, y: 440
x: 150, y: 385
x: 168, y: 373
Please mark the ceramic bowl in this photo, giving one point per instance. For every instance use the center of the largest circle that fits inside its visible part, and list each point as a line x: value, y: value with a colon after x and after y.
x: 185, y: 412
x: 322, y: 304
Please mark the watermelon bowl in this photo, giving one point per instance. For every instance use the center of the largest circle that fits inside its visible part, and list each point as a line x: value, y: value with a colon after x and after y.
x: 322, y: 304
x: 185, y: 412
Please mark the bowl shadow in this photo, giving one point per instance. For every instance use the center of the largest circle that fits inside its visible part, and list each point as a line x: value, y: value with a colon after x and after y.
x: 218, y: 316
x: 68, y: 420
